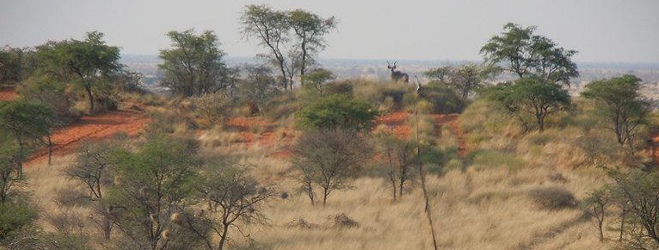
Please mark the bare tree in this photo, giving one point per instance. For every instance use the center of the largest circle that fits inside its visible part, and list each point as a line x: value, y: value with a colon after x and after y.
x: 92, y: 169
x: 400, y: 158
x: 330, y: 159
x: 233, y: 196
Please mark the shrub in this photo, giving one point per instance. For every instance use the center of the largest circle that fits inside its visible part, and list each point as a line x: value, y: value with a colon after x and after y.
x: 484, y: 159
x: 212, y: 107
x: 553, y: 198
x: 343, y: 88
x: 444, y: 99
x: 52, y: 94
x: 15, y: 217
x: 338, y: 111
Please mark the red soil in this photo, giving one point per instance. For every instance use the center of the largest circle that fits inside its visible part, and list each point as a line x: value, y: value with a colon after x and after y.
x: 396, y: 123
x: 93, y: 128
x: 248, y: 128
x: 451, y: 120
x: 7, y: 93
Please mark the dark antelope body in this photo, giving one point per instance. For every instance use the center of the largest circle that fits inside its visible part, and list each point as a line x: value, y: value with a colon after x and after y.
x: 397, y: 75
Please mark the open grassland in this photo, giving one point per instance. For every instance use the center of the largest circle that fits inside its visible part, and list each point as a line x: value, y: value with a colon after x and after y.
x: 486, y: 208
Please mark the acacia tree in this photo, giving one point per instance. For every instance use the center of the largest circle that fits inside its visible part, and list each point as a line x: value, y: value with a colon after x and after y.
x: 271, y: 28
x: 258, y: 88
x: 595, y: 204
x: 329, y: 159
x: 12, y: 64
x: 89, y: 64
x: 153, y: 183
x: 27, y: 123
x: 93, y: 168
x: 640, y: 191
x: 309, y: 30
x: 318, y: 78
x: 235, y: 197
x: 619, y: 101
x: 532, y: 96
x: 194, y: 65
x: 527, y: 54
x: 463, y: 79
x: 400, y: 158
x: 9, y: 155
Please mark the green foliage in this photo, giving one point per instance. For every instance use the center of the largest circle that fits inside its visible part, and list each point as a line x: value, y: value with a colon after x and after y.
x: 338, y: 111
x: 276, y: 29
x: 53, y: 93
x: 443, y: 99
x: 618, y: 100
x: 14, y: 218
x: 271, y: 28
x: 27, y: 123
x: 529, y: 55
x: 194, y: 65
x: 88, y: 64
x: 26, y: 119
x: 13, y: 65
x: 152, y: 183
x: 213, y: 107
x: 317, y: 80
x: 309, y: 30
x: 10, y: 155
x: 485, y: 159
x: 342, y: 88
x: 465, y: 79
x: 258, y: 89
x: 531, y: 96
x: 640, y: 190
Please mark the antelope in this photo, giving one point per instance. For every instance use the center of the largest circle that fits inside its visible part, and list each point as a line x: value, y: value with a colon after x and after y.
x: 397, y: 75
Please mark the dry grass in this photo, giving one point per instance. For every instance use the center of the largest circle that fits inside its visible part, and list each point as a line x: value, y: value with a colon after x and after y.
x: 484, y: 209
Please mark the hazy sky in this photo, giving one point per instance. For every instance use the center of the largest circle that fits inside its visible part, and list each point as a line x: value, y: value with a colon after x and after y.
x: 601, y: 30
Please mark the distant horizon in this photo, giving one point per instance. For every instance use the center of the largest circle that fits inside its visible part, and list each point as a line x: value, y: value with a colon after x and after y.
x: 653, y: 65
x: 415, y: 30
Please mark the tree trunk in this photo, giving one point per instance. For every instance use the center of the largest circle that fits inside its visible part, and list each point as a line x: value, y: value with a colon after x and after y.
x: 223, y: 237
x: 303, y: 64
x: 90, y: 96
x: 623, y: 216
x: 311, y: 194
x: 21, y: 152
x: 50, y: 151
x: 325, y: 194
x: 600, y: 222
x: 107, y: 227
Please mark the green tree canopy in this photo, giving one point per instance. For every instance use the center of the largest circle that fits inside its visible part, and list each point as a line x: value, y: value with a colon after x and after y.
x: 338, y: 111
x: 194, y: 65
x: 88, y: 64
x: 27, y: 123
x: 271, y: 28
x: 527, y: 54
x: 531, y: 96
x: 14, y: 64
x: 152, y: 183
x: 464, y: 79
x: 318, y: 78
x: 309, y: 30
x: 620, y: 102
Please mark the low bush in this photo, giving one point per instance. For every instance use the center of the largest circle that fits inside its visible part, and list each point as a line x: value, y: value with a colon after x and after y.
x: 553, y: 198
